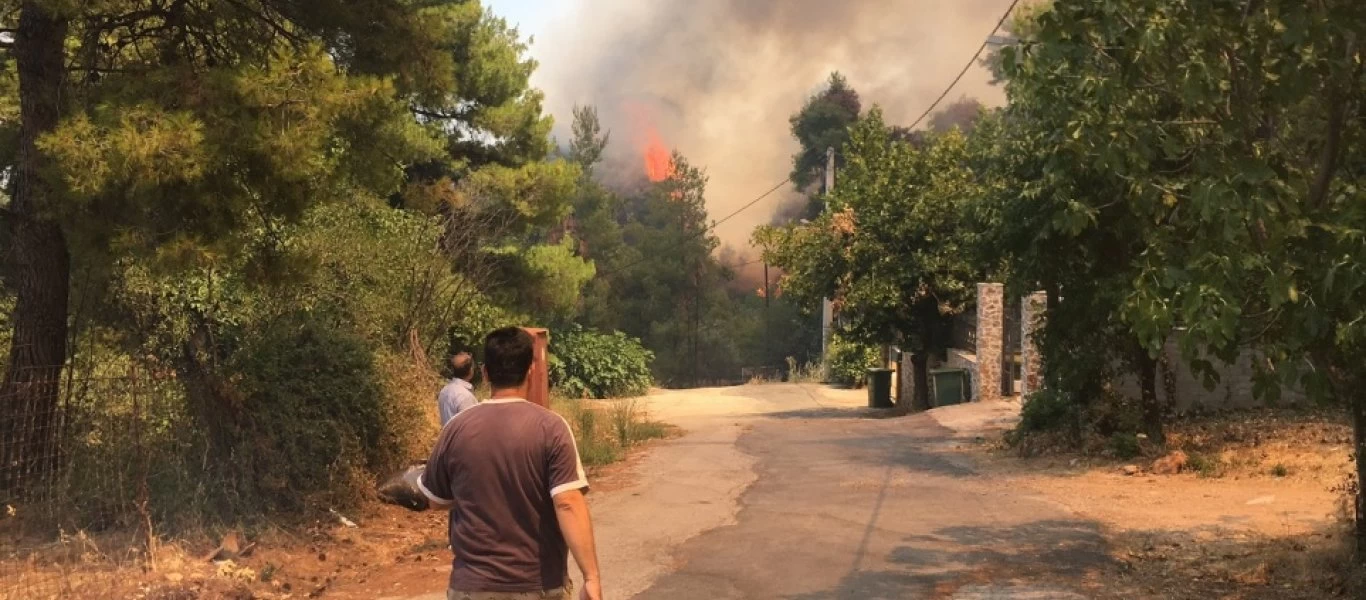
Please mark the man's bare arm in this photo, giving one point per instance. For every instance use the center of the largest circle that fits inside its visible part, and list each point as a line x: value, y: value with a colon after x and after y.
x: 571, y: 510
x: 434, y: 502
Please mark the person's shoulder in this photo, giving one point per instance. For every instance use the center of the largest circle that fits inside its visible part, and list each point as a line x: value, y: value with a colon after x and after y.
x: 531, y: 412
x: 462, y: 418
x: 552, y: 421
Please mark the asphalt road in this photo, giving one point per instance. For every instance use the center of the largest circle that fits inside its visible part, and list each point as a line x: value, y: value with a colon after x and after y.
x: 794, y: 492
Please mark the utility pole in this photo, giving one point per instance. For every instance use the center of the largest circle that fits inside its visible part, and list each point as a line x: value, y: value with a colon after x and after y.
x: 696, y: 319
x: 827, y: 310
x: 768, y: 317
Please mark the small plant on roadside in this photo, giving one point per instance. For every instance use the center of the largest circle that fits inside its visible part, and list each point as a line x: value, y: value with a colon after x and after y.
x: 596, y: 446
x: 1124, y: 446
x: 646, y: 430
x: 1280, y: 470
x: 1047, y: 410
x: 803, y: 373
x: 605, y: 431
x: 1205, y: 466
x: 847, y: 362
x: 623, y: 415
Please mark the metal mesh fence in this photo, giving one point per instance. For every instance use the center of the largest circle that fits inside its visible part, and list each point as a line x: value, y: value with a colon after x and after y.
x: 87, y: 450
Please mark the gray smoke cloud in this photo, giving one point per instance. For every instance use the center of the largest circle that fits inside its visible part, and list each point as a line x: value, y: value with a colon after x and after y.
x: 719, y: 79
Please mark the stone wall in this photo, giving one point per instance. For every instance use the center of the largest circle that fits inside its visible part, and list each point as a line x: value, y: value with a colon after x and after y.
x: 1032, y: 309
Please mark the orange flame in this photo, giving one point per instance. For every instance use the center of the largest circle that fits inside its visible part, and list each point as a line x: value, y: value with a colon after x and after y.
x: 658, y: 161
x: 658, y: 164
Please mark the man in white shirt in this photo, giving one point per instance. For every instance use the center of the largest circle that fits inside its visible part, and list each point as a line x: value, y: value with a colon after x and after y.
x: 458, y: 395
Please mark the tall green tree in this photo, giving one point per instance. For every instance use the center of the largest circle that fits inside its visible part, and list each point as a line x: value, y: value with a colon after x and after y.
x: 890, y: 249
x: 672, y: 289
x: 1232, y: 133
x: 589, y: 141
x: 822, y: 123
x: 161, y: 130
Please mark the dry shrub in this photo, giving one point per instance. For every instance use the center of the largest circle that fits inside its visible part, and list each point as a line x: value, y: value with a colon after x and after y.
x: 409, y: 411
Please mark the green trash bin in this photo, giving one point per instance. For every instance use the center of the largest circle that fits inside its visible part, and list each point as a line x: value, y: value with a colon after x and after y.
x: 950, y: 386
x: 879, y: 388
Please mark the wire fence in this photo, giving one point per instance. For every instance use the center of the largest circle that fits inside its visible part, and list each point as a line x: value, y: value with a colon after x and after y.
x: 88, y: 455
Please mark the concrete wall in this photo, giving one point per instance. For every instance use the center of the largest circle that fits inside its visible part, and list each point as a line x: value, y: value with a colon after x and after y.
x: 962, y: 359
x: 1234, y: 389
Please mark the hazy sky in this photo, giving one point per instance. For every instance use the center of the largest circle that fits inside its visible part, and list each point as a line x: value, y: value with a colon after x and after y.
x: 718, y: 79
x: 530, y: 16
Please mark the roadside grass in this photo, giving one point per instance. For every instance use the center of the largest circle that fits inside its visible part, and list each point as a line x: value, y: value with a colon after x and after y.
x: 606, y: 430
x: 810, y: 372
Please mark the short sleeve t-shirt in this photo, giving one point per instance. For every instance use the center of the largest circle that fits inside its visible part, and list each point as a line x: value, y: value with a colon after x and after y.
x: 455, y: 397
x: 499, y: 464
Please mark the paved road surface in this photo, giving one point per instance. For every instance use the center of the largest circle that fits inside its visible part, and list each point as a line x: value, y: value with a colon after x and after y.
x: 793, y: 492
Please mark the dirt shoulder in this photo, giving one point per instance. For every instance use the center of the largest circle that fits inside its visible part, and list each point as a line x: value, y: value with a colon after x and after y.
x: 1257, y: 509
x: 389, y: 552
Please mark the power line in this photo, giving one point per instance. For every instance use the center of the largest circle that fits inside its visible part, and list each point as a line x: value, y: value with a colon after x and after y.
x: 752, y: 202
x: 704, y: 230
x: 986, y: 42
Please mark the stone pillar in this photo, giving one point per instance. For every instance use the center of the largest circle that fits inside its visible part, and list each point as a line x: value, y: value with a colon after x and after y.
x: 990, y: 339
x: 905, y: 375
x: 1032, y: 309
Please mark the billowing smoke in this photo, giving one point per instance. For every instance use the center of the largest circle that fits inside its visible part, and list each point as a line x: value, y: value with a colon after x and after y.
x: 718, y: 79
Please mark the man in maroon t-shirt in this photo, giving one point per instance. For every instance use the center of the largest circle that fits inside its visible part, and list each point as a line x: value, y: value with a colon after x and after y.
x: 509, y: 471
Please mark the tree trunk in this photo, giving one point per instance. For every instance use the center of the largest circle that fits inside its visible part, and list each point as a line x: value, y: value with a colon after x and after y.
x: 1153, y: 411
x: 38, y: 266
x: 1348, y: 386
x: 926, y: 313
x: 1358, y: 405
x: 920, y: 398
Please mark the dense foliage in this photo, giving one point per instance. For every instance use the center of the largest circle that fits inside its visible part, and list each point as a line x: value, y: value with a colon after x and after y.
x: 270, y: 222
x: 586, y: 363
x: 272, y: 219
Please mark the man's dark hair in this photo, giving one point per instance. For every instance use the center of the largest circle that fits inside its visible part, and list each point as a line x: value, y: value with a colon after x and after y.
x: 462, y: 366
x: 507, y: 357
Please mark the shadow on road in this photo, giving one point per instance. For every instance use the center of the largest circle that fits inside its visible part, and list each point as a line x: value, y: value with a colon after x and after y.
x: 836, y: 412
x: 1042, y: 559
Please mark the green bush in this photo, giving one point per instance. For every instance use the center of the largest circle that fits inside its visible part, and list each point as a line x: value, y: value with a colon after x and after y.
x: 847, y: 362
x: 1205, y: 465
x: 1124, y: 446
x: 587, y: 363
x: 1048, y: 410
x: 307, y: 426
